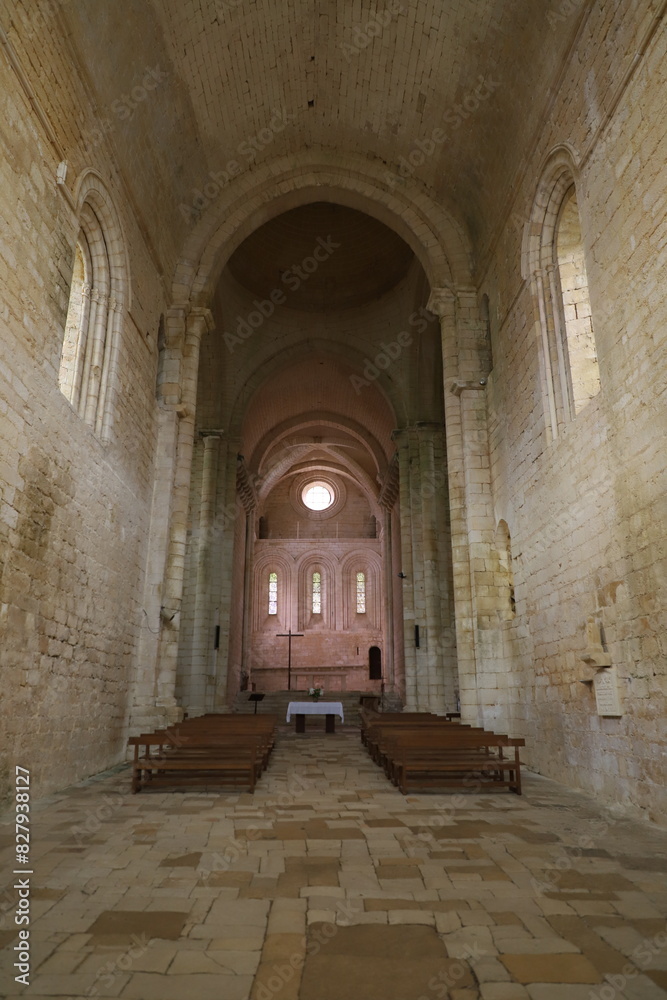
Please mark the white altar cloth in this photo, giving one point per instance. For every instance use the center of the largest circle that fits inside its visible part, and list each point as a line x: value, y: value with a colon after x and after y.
x: 315, y: 708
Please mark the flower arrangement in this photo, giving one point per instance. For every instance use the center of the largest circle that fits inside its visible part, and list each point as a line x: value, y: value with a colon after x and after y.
x: 315, y: 693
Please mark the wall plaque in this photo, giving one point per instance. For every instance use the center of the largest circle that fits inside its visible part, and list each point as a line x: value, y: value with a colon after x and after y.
x: 607, y: 695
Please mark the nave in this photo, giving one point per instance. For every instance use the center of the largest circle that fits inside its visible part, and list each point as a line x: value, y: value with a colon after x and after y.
x: 327, y: 883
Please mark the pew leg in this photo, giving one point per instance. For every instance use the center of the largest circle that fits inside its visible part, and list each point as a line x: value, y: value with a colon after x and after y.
x: 517, y: 789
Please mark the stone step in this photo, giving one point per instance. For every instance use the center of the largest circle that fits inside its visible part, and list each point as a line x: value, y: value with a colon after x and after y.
x: 276, y: 702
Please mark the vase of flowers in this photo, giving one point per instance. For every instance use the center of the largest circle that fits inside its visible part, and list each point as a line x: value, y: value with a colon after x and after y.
x: 315, y: 693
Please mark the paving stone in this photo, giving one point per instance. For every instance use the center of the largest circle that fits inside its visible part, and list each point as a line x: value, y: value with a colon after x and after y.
x: 377, y: 961
x: 503, y: 991
x: 549, y: 991
x: 534, y: 946
x: 123, y: 926
x: 145, y: 986
x: 475, y: 941
x: 552, y: 968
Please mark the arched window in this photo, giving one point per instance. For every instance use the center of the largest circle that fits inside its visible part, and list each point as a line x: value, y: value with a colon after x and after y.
x: 577, y: 323
x: 76, y: 325
x: 161, y: 356
x: 505, y: 573
x: 554, y: 259
x: 273, y: 593
x: 88, y: 358
x: 361, y: 593
x: 317, y: 593
x: 485, y: 348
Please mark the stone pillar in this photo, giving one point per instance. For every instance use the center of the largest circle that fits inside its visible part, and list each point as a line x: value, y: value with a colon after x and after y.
x: 405, y: 513
x: 471, y: 502
x: 184, y: 339
x: 248, y: 576
x: 202, y: 665
x: 388, y: 624
x: 387, y: 499
x: 423, y: 519
x: 224, y: 556
x: 144, y: 715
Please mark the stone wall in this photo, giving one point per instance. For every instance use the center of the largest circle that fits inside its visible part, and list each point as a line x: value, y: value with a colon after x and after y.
x: 74, y: 510
x: 586, y: 509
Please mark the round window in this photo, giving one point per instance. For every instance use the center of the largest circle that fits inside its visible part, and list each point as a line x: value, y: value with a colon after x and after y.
x: 317, y: 496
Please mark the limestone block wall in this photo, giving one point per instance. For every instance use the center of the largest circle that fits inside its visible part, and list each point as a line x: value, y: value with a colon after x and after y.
x: 73, y: 510
x: 586, y: 508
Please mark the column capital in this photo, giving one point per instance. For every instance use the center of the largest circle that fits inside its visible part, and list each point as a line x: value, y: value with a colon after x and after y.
x: 441, y: 301
x: 420, y: 427
x: 183, y: 320
x: 199, y: 321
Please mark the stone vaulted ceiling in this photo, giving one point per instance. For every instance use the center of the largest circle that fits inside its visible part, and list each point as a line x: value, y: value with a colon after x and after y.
x: 250, y: 80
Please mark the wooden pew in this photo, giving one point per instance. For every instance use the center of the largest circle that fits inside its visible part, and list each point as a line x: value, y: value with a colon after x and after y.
x: 378, y: 733
x: 222, y: 749
x: 474, y: 759
x: 371, y: 718
x: 418, y: 750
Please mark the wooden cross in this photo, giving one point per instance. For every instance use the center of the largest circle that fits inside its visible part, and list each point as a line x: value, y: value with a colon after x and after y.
x: 289, y: 635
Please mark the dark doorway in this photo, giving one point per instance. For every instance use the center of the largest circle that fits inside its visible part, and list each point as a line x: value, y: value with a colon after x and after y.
x: 375, y: 663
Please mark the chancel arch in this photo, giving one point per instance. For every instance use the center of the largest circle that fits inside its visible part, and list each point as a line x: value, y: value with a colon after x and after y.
x: 316, y: 383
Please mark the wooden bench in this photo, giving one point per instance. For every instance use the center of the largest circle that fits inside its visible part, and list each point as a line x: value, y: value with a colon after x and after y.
x: 418, y: 750
x: 220, y: 749
x: 370, y: 718
x: 385, y: 745
x: 477, y: 761
x: 379, y: 733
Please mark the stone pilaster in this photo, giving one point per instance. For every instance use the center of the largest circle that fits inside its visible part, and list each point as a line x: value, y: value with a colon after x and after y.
x: 202, y: 667
x: 224, y: 557
x: 184, y: 334
x: 471, y: 502
x: 388, y: 497
x: 246, y: 491
x: 423, y: 506
x: 388, y: 665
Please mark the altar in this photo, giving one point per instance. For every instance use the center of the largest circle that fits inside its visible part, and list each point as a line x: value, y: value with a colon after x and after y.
x: 300, y: 709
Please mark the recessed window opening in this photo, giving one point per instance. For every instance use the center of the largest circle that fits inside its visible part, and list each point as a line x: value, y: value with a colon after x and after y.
x: 317, y: 496
x: 73, y: 350
x: 317, y: 593
x: 273, y: 593
x: 361, y: 593
x: 584, y: 372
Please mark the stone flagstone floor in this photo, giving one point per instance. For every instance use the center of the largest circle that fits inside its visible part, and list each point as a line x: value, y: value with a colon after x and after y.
x: 328, y: 884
